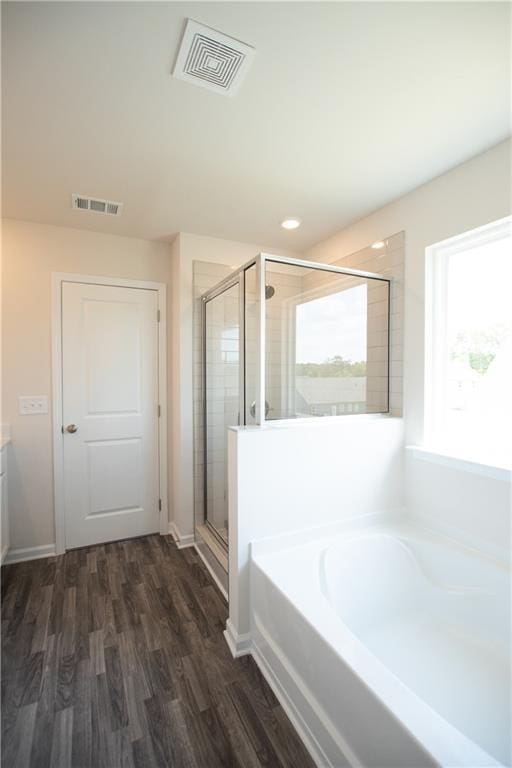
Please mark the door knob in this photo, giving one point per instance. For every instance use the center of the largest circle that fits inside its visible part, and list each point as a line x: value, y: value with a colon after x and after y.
x: 71, y: 428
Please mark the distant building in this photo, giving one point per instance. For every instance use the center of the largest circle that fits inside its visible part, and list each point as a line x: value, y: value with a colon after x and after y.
x: 330, y: 395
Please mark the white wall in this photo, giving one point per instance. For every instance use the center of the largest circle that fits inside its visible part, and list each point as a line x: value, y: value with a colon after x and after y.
x: 465, y: 501
x: 288, y: 477
x: 473, y: 508
x: 31, y: 252
x: 466, y: 197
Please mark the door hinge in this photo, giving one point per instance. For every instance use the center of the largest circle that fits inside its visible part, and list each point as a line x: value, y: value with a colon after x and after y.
x: 159, y: 411
x: 158, y: 315
x: 160, y: 505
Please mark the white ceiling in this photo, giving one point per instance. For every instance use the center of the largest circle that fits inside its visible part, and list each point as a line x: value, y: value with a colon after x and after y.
x: 345, y: 107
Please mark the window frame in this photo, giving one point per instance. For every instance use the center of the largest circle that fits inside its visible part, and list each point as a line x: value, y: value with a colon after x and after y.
x: 436, y: 315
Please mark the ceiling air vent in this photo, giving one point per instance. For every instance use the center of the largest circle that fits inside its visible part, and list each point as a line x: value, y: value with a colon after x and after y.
x: 211, y: 59
x: 96, y: 205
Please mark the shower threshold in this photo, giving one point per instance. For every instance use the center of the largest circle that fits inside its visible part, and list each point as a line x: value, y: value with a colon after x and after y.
x: 213, y: 543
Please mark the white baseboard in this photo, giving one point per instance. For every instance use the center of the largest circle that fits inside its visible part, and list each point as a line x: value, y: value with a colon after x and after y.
x: 203, y: 534
x: 242, y: 645
x: 304, y: 733
x: 4, y: 554
x: 324, y: 742
x: 173, y: 531
x: 186, y: 541
x: 181, y: 541
x: 212, y: 573
x: 239, y: 645
x: 29, y: 553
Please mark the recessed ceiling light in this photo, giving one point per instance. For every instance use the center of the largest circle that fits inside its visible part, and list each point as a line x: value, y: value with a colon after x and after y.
x: 291, y: 223
x: 378, y: 245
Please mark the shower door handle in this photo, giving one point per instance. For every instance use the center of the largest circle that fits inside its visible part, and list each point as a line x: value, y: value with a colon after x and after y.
x: 253, y: 409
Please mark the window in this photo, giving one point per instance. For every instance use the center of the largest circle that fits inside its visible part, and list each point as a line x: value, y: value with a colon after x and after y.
x: 469, y: 345
x: 330, y: 353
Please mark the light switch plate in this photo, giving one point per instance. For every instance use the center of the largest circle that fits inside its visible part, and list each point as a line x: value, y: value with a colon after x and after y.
x: 30, y: 405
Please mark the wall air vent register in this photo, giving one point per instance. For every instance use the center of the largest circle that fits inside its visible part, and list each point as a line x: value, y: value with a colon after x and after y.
x: 94, y: 204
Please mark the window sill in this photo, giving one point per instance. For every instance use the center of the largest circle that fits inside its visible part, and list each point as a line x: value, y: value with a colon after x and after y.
x: 435, y: 456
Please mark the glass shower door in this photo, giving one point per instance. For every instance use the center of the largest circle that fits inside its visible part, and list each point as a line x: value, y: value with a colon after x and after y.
x: 222, y: 400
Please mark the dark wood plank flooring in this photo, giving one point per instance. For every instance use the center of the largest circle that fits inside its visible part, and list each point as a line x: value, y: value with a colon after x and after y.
x: 113, y: 656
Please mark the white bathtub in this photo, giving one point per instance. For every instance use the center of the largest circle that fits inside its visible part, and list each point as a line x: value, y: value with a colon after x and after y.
x: 390, y: 648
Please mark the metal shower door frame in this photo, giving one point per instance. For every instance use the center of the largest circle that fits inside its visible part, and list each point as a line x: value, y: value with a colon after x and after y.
x: 260, y: 262
x: 224, y: 285
x: 239, y: 277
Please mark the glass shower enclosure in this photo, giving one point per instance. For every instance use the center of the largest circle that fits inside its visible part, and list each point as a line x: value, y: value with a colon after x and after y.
x: 288, y: 339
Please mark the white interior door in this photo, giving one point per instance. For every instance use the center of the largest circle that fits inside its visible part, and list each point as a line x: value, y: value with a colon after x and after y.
x: 110, y: 412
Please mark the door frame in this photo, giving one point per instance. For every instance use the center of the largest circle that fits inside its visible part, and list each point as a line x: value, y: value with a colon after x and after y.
x: 57, y: 395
